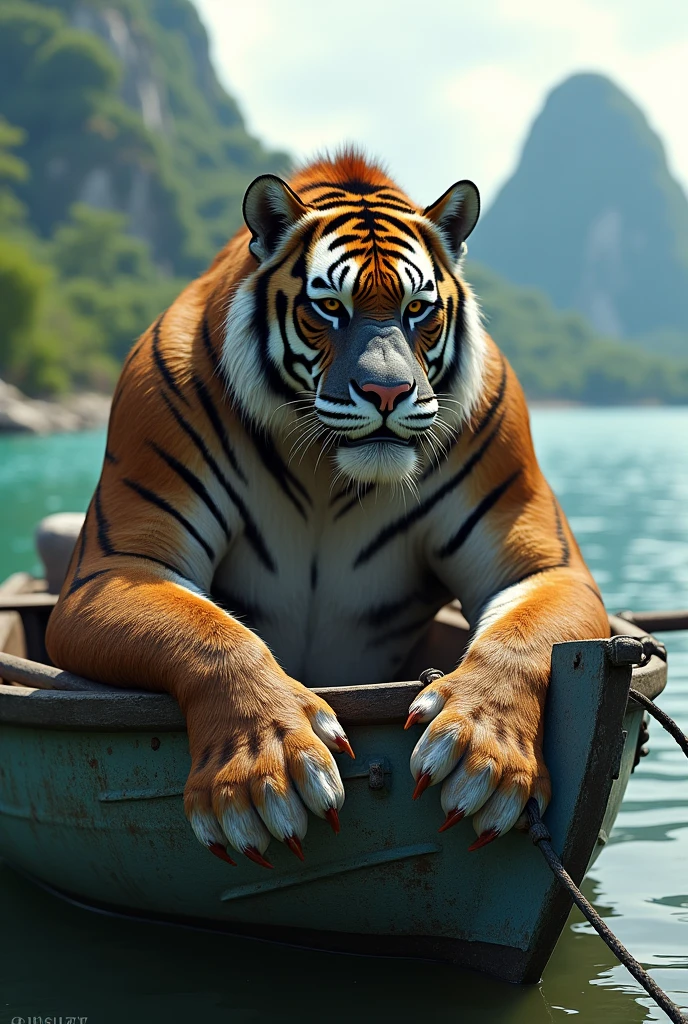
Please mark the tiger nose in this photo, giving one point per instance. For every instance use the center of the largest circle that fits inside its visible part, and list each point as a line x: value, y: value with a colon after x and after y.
x: 386, y: 396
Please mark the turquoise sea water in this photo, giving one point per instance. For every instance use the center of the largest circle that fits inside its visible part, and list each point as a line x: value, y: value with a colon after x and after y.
x: 622, y: 477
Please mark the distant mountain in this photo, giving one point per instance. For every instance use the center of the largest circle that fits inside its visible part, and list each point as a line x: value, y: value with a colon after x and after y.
x: 121, y: 110
x: 122, y: 167
x: 593, y: 218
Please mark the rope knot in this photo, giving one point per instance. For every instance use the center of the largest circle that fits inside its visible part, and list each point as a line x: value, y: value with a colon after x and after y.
x: 539, y: 832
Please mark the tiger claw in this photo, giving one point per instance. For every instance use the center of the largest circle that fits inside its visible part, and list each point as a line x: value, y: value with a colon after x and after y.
x: 414, y: 717
x: 453, y: 818
x: 294, y: 844
x: 253, y: 854
x: 332, y: 818
x: 344, y: 747
x: 219, y: 851
x: 483, y: 839
x: 424, y: 780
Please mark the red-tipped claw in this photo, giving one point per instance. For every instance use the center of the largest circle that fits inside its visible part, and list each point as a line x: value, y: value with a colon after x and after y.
x: 414, y: 717
x: 344, y: 747
x: 219, y: 851
x: 483, y: 840
x: 422, y: 784
x: 294, y: 844
x: 256, y: 857
x: 332, y: 818
x: 453, y: 818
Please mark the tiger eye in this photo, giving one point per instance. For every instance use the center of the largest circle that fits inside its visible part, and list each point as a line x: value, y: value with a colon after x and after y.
x: 414, y: 307
x: 332, y: 305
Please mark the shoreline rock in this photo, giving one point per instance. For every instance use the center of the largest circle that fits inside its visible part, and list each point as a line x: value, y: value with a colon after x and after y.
x: 87, y: 410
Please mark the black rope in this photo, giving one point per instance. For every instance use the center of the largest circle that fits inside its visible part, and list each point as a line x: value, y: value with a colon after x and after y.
x: 541, y: 837
x: 631, y: 650
x: 661, y: 716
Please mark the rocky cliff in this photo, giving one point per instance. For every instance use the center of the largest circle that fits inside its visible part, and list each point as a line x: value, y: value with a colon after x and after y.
x: 592, y: 215
x: 122, y: 110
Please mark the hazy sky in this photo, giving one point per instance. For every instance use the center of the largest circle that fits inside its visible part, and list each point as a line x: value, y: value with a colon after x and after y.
x: 446, y: 89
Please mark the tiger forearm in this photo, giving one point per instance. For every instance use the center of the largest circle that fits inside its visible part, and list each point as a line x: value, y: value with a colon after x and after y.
x: 517, y: 629
x: 132, y: 629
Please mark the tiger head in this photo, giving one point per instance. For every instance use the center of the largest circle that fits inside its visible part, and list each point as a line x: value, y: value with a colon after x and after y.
x: 356, y: 322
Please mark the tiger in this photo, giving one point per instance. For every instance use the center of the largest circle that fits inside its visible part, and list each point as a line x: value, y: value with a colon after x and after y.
x: 314, y: 449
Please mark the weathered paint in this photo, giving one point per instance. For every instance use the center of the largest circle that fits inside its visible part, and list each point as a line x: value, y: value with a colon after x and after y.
x: 99, y: 815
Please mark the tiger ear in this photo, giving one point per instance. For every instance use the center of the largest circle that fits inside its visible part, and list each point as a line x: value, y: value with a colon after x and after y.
x: 270, y: 209
x: 456, y: 213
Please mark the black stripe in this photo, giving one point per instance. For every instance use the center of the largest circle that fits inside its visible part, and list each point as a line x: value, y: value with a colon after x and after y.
x: 261, y: 325
x: 203, y: 760
x: 206, y: 400
x: 278, y: 469
x: 314, y: 573
x: 467, y: 527
x: 337, y: 194
x: 345, y: 415
x: 251, y: 530
x: 496, y: 402
x: 162, y: 366
x: 197, y: 440
x: 109, y: 457
x: 392, y: 530
x: 82, y: 546
x: 396, y: 223
x: 322, y: 184
x: 116, y: 398
x: 356, y: 500
x: 339, y: 241
x: 192, y: 481
x: 339, y: 222
x: 208, y: 346
x: 103, y: 527
x: 78, y: 583
x: 154, y: 499
x: 515, y: 582
x: 336, y: 401
x: 289, y: 357
x: 595, y: 591
x: 561, y: 533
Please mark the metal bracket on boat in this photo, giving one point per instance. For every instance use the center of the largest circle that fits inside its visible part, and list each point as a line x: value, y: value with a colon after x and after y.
x: 373, y: 770
x: 631, y: 650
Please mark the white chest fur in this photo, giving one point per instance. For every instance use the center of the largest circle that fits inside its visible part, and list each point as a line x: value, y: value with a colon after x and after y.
x: 331, y: 613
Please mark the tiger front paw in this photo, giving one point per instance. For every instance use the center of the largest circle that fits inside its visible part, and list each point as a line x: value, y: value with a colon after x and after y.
x: 260, y: 758
x: 485, y: 744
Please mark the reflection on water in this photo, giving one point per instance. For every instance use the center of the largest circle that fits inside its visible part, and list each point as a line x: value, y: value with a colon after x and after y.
x: 622, y: 476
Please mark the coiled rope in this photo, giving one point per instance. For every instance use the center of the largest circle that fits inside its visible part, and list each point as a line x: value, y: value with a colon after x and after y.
x: 542, y: 839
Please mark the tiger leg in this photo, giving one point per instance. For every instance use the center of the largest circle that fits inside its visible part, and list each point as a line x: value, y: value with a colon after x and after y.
x: 261, y: 743
x: 484, y: 741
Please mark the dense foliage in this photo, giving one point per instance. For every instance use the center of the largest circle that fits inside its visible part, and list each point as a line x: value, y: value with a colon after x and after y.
x: 122, y: 166
x: 557, y: 355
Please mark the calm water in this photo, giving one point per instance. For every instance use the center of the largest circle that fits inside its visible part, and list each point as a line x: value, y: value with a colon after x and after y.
x: 622, y: 476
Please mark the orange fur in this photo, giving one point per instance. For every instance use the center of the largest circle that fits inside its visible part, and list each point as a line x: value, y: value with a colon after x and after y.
x: 126, y: 615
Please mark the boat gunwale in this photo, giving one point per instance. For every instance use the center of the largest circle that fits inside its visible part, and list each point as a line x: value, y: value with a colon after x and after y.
x: 114, y: 710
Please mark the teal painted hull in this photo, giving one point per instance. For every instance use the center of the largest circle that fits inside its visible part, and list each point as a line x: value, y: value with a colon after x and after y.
x: 90, y: 804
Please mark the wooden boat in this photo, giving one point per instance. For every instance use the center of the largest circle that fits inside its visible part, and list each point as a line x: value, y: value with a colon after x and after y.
x: 90, y: 805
